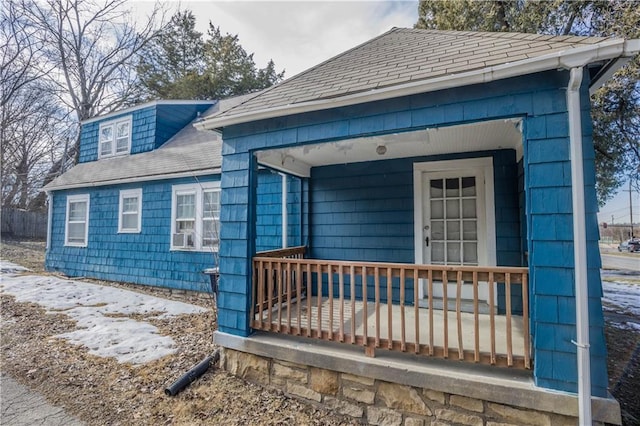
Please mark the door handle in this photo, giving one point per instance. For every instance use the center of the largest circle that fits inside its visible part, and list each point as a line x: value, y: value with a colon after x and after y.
x: 426, y: 241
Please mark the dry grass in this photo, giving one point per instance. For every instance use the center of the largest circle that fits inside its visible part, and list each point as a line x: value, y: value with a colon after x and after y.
x: 101, y: 391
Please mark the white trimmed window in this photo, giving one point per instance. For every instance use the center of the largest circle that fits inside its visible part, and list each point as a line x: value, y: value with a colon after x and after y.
x: 115, y: 137
x: 195, y: 216
x: 77, y: 220
x: 130, y: 211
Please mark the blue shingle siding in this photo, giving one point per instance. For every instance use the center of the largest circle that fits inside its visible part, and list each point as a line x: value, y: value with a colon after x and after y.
x: 345, y: 213
x: 550, y: 229
x: 140, y: 258
x: 269, y: 206
x: 150, y: 127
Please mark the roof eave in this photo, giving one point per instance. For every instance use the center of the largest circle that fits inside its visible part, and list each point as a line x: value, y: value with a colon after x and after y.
x: 148, y: 178
x: 578, y: 57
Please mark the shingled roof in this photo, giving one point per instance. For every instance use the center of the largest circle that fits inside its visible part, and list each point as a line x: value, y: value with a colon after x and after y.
x: 188, y: 153
x: 417, y: 61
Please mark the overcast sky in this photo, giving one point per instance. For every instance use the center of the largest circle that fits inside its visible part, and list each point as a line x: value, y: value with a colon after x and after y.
x: 300, y: 34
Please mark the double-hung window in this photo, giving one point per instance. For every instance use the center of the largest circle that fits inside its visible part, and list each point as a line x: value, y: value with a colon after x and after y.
x: 77, y: 220
x: 115, y: 137
x: 195, y: 216
x: 130, y: 211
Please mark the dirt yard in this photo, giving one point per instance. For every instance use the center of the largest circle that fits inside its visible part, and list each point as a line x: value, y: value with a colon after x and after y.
x: 101, y: 391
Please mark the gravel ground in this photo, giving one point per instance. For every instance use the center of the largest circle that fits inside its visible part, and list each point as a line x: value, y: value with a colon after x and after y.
x: 101, y: 391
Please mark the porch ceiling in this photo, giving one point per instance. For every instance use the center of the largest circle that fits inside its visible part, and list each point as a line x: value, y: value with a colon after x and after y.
x: 487, y: 135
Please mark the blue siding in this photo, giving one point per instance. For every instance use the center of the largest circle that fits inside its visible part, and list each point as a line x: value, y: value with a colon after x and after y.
x: 150, y: 128
x: 139, y: 258
x: 269, y: 208
x: 539, y: 99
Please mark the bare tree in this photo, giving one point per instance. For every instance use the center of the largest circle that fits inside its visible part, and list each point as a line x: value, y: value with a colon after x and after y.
x: 92, y: 46
x: 29, y: 116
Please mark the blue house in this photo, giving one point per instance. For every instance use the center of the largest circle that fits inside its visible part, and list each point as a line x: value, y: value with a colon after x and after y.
x: 143, y: 204
x: 448, y: 212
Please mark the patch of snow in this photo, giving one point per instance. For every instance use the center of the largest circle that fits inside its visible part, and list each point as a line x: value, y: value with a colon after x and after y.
x: 621, y: 296
x: 93, y: 307
x: 626, y: 325
x: 11, y: 268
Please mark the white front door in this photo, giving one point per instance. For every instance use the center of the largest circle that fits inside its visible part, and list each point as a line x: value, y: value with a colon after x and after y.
x: 456, y: 221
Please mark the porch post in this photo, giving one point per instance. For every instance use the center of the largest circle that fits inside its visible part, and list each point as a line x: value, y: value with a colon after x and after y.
x: 237, y: 241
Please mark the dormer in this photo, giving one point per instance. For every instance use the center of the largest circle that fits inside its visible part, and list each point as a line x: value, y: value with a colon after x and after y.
x: 141, y: 128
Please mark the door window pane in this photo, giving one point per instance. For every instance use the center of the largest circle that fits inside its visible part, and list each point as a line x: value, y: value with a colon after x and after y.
x: 468, y: 186
x: 453, y: 187
x: 437, y: 253
x: 437, y: 230
x: 437, y: 210
x: 453, y: 252
x: 469, y: 230
x: 470, y: 252
x: 469, y: 208
x: 453, y: 230
x: 453, y: 209
x: 435, y: 190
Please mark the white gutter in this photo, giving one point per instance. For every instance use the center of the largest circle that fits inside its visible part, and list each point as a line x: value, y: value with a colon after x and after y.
x: 579, y: 246
x: 49, y: 218
x: 148, y: 178
x: 285, y: 219
x: 576, y: 57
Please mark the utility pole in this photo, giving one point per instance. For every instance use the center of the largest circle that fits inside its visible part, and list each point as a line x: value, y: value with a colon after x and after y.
x: 630, y: 209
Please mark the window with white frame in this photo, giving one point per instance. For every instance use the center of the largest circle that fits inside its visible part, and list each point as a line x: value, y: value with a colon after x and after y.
x: 115, y: 137
x: 77, y: 220
x: 130, y: 211
x: 195, y: 216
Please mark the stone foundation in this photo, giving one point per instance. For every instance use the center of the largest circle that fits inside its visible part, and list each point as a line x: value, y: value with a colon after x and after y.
x: 379, y: 402
x: 394, y: 388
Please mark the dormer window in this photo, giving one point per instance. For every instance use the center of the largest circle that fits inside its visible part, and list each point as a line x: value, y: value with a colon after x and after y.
x: 115, y: 137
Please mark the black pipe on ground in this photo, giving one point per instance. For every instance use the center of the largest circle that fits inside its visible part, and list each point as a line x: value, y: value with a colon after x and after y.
x: 192, y: 375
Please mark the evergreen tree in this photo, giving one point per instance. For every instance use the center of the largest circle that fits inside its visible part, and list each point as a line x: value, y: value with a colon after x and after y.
x: 615, y: 107
x: 182, y: 64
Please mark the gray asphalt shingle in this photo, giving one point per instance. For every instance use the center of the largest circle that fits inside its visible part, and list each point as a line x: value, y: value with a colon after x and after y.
x: 404, y: 55
x: 188, y: 151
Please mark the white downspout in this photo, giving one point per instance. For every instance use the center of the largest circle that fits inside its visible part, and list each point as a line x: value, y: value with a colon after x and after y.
x: 49, y: 216
x: 285, y: 218
x: 579, y: 246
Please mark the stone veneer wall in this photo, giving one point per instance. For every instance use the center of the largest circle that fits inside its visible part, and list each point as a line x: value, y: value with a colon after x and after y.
x: 379, y: 402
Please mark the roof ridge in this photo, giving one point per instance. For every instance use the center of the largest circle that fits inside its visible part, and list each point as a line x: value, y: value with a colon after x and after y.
x: 506, y: 34
x: 308, y: 70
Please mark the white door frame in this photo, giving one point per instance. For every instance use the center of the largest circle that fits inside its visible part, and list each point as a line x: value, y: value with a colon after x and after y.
x: 483, y: 166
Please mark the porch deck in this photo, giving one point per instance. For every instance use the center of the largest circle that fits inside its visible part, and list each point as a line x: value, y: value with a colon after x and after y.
x: 315, y: 299
x: 429, y: 320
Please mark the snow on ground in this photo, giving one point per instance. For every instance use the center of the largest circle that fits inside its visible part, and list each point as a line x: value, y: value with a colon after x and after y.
x: 622, y: 297
x: 11, y: 268
x: 100, y: 313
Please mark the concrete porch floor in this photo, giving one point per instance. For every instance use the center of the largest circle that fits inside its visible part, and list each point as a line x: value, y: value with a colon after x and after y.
x: 355, y: 318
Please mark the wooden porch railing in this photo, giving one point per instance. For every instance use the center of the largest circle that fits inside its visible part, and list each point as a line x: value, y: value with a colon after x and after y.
x: 326, y: 299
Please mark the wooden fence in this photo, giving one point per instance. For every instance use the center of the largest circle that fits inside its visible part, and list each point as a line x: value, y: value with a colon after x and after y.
x: 23, y: 223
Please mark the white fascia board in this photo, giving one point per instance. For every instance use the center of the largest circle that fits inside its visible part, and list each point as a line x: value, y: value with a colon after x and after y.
x: 578, y: 57
x: 150, y: 178
x: 290, y: 165
x: 145, y: 105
